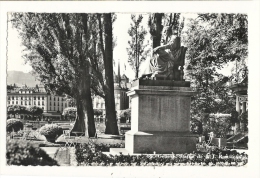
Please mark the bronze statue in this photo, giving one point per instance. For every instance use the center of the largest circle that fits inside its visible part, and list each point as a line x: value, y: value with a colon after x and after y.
x: 167, y: 65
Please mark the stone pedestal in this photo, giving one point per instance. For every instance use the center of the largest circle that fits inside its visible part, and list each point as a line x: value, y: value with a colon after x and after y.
x: 160, y: 118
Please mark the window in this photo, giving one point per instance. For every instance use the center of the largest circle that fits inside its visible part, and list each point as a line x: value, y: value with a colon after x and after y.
x: 21, y: 102
x: 16, y: 102
x: 21, y: 98
x: 34, y: 103
x: 38, y: 103
x: 12, y: 102
x: 50, y: 103
x: 50, y: 108
x: 97, y: 105
x: 29, y: 102
x: 12, y: 97
x: 65, y: 105
x: 58, y: 98
x: 8, y: 97
x: 34, y: 98
x: 39, y: 98
x: 58, y: 104
x: 8, y: 102
x: 54, y: 98
x: 42, y: 108
x: 43, y: 103
x: 25, y: 102
x: 53, y: 104
x: 43, y: 98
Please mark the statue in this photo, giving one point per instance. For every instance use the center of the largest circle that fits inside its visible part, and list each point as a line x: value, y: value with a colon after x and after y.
x: 167, y: 65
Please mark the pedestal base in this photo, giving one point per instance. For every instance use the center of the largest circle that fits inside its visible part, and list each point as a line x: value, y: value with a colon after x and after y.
x: 160, y: 142
x: 160, y: 118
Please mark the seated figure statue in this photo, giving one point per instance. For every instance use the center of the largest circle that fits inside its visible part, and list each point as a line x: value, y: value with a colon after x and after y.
x: 167, y: 64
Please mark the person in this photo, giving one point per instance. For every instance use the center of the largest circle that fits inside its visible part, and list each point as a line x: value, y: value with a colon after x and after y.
x: 166, y: 61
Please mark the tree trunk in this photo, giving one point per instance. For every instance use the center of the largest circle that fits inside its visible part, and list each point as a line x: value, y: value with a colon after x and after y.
x: 111, y: 123
x: 79, y: 124
x: 136, y: 52
x: 157, y: 35
x: 87, y: 103
x: 85, y: 112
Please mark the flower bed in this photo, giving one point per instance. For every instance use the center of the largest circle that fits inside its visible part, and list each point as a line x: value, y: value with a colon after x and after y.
x: 91, y: 155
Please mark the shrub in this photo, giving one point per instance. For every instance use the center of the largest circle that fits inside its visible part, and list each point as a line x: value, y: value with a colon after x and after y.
x: 51, y: 131
x: 14, y: 125
x: 195, y: 126
x: 24, y: 153
x: 91, y: 155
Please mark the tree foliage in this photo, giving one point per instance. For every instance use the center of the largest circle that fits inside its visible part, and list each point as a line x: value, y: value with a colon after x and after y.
x: 35, y: 111
x: 164, y: 27
x: 18, y: 109
x: 213, y: 41
x: 72, y: 54
x: 136, y: 50
x: 58, y: 47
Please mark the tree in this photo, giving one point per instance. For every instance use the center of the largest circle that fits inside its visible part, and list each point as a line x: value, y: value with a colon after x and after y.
x: 106, y: 45
x: 35, y: 111
x: 136, y: 51
x: 214, y: 40
x: 17, y: 110
x: 156, y: 27
x: 101, y: 62
x: 165, y: 27
x: 58, y: 48
x: 10, y: 110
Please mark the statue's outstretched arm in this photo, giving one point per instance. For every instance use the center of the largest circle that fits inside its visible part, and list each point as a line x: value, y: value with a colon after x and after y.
x: 163, y: 47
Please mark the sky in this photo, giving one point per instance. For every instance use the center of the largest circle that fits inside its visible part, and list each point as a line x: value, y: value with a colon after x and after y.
x: 120, y: 28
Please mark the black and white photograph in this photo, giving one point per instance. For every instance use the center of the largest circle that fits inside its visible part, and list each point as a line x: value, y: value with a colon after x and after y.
x: 130, y: 90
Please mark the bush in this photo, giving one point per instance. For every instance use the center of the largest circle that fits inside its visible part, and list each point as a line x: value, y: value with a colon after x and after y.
x: 14, y: 125
x: 24, y: 153
x: 91, y: 155
x: 51, y: 131
x: 196, y: 126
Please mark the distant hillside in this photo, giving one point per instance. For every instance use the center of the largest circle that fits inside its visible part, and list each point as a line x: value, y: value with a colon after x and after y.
x: 21, y: 78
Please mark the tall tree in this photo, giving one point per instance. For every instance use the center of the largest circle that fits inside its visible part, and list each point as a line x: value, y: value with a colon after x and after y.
x: 136, y: 51
x: 214, y: 40
x: 106, y: 45
x: 156, y: 27
x: 164, y: 27
x: 58, y: 50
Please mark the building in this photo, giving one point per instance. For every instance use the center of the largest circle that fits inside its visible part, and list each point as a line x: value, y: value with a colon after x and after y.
x: 52, y: 105
x: 240, y: 90
x: 121, y: 85
x: 121, y: 98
